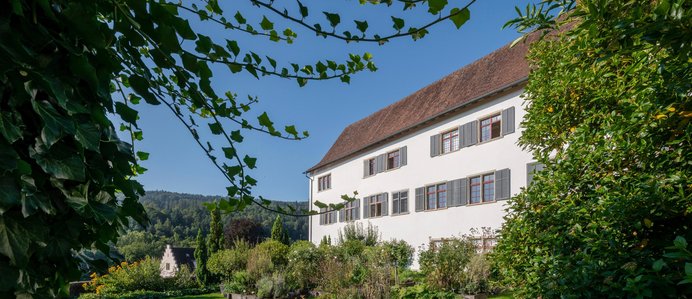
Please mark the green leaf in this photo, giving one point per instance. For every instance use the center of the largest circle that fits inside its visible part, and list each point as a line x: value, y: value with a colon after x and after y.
x: 228, y: 152
x: 658, y: 265
x: 82, y: 67
x: 9, y: 193
x: 143, y: 156
x: 126, y: 113
x: 15, y: 239
x: 398, y: 23
x: 215, y: 128
x: 303, y: 9
x: 239, y: 17
x: 61, y: 162
x: 320, y: 204
x: 141, y: 86
x: 459, y: 18
x: 55, y: 125
x: 435, y: 6
x: 265, y: 121
x: 236, y: 136
x: 250, y: 162
x: 88, y: 136
x: 361, y: 25
x: 266, y: 24
x: 680, y: 242
x: 291, y: 130
x: 334, y: 19
x: 184, y: 29
x: 9, y: 126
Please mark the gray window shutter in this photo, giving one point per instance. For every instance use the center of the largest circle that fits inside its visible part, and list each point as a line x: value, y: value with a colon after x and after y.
x: 380, y: 162
x: 334, y: 215
x: 502, y: 184
x: 365, y: 167
x: 385, y: 205
x: 435, y: 141
x: 357, y: 209
x: 420, y: 199
x: 323, y: 217
x: 508, y: 121
x: 469, y: 136
x: 463, y: 191
x: 366, y: 207
x: 402, y: 156
x: 341, y: 215
x: 454, y: 193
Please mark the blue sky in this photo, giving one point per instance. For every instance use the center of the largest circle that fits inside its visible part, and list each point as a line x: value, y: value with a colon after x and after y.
x: 323, y: 108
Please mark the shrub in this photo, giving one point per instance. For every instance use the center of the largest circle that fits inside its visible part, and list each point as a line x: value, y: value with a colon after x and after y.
x: 444, y: 264
x: 355, y: 231
x: 240, y: 283
x: 303, y: 262
x: 225, y: 262
x: 277, y: 251
x: 142, y: 275
x: 398, y: 253
x: 477, y: 275
x: 264, y: 287
x: 259, y: 264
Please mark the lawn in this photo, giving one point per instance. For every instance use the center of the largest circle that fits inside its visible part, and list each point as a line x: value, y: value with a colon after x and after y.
x: 502, y: 296
x: 205, y: 296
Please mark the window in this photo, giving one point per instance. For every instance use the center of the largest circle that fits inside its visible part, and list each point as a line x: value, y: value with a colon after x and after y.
x: 375, y: 205
x: 436, y: 197
x: 450, y: 141
x: 328, y: 216
x: 482, y: 188
x: 351, y: 211
x: 393, y: 160
x: 324, y: 183
x: 370, y: 167
x: 484, y: 244
x: 491, y: 127
x: 168, y: 266
x: 399, y: 202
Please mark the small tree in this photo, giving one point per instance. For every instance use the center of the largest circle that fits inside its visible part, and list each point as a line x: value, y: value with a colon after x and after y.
x: 243, y: 229
x: 201, y: 259
x: 216, y: 241
x: 278, y: 231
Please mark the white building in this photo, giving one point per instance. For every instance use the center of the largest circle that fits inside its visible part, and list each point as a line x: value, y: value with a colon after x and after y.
x: 174, y: 258
x: 435, y: 164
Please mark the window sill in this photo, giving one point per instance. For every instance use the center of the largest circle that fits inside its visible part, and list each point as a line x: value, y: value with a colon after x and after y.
x: 490, y: 140
x: 318, y: 191
x: 481, y: 203
x: 400, y: 214
x: 433, y: 210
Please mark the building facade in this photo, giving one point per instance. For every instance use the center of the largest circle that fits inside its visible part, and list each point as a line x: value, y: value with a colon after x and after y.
x: 437, y: 164
x: 174, y: 258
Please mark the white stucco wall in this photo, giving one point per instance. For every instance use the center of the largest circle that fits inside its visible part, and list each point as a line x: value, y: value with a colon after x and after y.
x: 418, y: 228
x: 170, y: 260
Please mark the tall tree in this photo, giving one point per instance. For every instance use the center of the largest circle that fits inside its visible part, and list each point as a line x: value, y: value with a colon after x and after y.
x: 609, y: 115
x: 201, y: 272
x: 278, y: 233
x: 216, y: 241
x: 68, y: 66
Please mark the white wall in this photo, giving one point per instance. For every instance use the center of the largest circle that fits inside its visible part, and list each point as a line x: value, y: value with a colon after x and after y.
x: 418, y: 228
x: 168, y: 259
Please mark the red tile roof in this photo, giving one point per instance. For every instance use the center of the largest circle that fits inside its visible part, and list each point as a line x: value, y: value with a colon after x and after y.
x: 502, y: 69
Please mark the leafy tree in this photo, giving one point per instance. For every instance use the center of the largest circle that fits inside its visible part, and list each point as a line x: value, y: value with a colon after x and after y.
x: 66, y: 66
x: 609, y: 114
x: 216, y: 241
x: 278, y: 233
x: 201, y: 272
x: 244, y: 229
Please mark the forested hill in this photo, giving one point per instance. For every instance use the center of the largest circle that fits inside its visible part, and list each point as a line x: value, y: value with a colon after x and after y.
x: 176, y: 217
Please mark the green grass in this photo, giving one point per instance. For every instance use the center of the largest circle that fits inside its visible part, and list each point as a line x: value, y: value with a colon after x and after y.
x: 205, y: 296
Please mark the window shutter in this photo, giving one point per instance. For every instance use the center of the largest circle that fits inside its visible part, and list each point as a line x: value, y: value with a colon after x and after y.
x: 463, y: 191
x: 508, y: 121
x: 502, y: 185
x: 365, y: 168
x: 366, y: 207
x: 334, y: 215
x: 385, y: 205
x: 402, y: 156
x: 341, y: 214
x: 454, y: 193
x: 470, y: 133
x: 420, y: 199
x: 380, y: 162
x: 357, y: 209
x: 323, y: 217
x: 435, y: 141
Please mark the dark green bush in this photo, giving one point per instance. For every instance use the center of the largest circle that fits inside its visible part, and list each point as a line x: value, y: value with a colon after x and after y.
x: 303, y: 262
x: 444, y: 264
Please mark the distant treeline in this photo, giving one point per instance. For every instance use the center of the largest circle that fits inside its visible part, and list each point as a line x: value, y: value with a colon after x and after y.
x: 176, y: 217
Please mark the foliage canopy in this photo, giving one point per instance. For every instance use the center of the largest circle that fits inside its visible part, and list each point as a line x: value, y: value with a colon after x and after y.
x: 609, y: 114
x: 66, y: 65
